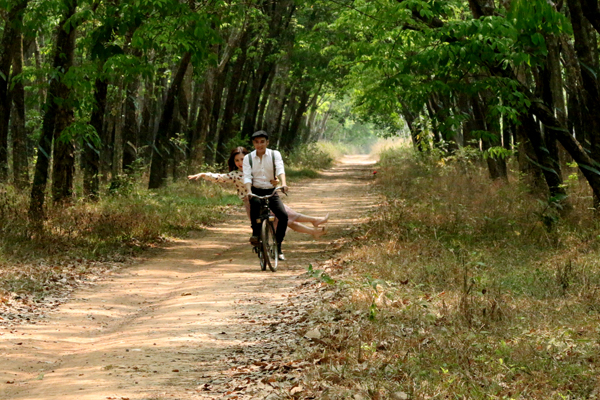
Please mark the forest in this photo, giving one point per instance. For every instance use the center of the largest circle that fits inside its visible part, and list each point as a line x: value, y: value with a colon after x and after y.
x: 473, y: 272
x: 92, y: 90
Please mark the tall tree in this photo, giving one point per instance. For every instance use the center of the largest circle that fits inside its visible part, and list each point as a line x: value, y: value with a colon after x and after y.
x: 8, y: 48
x: 162, y: 147
x: 57, y: 116
x: 19, y: 133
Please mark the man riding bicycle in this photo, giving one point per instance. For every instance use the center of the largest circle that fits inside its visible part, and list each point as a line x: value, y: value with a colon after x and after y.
x: 263, y: 170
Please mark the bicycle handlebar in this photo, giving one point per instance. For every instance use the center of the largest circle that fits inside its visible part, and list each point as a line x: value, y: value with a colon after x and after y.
x: 269, y: 195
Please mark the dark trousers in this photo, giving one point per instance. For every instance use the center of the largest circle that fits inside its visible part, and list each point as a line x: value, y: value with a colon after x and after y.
x: 275, y: 205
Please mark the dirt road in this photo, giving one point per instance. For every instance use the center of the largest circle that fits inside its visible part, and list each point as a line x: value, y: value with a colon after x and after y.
x: 167, y: 327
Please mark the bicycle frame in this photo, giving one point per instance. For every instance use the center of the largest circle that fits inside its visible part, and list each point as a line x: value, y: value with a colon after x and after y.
x: 267, y: 250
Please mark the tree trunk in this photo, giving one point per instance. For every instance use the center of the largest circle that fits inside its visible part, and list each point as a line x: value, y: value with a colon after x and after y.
x: 63, y: 160
x: 162, y: 150
x: 285, y: 99
x: 586, y: 164
x: 214, y: 118
x: 19, y: 133
x: 586, y: 48
x: 573, y: 88
x: 147, y: 127
x: 496, y: 166
x: 416, y: 133
x: 8, y: 46
x: 90, y: 157
x: 131, y: 131
x: 549, y: 166
x: 232, y: 109
x: 290, y: 137
x: 260, y: 124
x: 199, y: 148
x: 63, y: 60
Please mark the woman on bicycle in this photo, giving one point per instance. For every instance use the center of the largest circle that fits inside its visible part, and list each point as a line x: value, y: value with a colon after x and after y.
x: 235, y: 178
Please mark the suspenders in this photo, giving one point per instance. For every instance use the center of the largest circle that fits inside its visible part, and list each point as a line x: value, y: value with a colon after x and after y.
x: 272, y: 157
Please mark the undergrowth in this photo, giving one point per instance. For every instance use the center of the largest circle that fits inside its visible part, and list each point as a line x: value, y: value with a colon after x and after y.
x: 462, y: 288
x: 307, y: 160
x: 126, y: 220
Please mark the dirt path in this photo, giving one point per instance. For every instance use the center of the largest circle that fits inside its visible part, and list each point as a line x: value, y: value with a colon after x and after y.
x: 164, y: 327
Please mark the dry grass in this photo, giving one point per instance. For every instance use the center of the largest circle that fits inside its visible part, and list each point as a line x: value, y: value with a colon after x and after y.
x: 78, y: 238
x: 465, y: 289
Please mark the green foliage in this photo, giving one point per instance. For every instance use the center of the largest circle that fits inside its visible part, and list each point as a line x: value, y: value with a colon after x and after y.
x: 309, y: 156
x: 319, y: 275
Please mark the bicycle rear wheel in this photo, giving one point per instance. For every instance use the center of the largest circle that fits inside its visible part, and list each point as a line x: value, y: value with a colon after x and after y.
x: 269, y: 244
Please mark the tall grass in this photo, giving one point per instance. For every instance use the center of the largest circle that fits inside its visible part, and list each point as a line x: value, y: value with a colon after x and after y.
x: 307, y: 160
x: 464, y: 288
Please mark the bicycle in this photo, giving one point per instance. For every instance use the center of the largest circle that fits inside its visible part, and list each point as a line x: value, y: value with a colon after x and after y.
x: 267, y: 250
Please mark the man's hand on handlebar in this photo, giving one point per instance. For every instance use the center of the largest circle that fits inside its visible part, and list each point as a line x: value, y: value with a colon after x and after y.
x: 282, y: 189
x: 275, y: 182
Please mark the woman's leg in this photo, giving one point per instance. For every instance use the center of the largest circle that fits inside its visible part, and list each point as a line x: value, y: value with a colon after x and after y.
x: 314, y: 220
x: 315, y: 232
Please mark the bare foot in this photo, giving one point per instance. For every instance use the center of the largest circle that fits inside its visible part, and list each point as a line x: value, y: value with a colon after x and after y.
x: 321, y: 220
x: 319, y: 232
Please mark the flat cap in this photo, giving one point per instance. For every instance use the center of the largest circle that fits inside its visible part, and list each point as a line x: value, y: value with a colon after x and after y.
x: 260, y: 134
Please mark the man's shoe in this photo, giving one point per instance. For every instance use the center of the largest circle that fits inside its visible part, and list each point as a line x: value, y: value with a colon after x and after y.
x: 254, y: 240
x: 280, y: 256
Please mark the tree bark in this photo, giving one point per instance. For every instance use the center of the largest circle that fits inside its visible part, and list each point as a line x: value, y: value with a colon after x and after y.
x: 416, y: 133
x: 289, y: 138
x: 162, y: 148
x: 549, y: 165
x: 586, y: 164
x: 19, y: 133
x: 586, y: 49
x: 147, y: 127
x: 8, y: 46
x: 131, y: 131
x: 90, y: 157
x: 63, y: 60
x: 199, y: 148
x: 215, y: 140
x: 234, y: 92
x: 260, y: 124
x: 496, y: 166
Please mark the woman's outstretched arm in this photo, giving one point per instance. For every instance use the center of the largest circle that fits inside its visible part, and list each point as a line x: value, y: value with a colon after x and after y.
x: 212, y: 177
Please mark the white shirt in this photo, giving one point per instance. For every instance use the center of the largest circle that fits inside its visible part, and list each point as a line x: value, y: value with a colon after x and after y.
x: 261, y: 172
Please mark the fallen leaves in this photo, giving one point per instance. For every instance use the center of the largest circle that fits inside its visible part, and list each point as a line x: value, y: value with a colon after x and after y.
x: 313, y: 334
x: 44, y: 285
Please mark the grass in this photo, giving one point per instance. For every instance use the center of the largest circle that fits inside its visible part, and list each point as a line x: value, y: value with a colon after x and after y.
x: 462, y: 288
x: 307, y: 160
x: 79, y: 237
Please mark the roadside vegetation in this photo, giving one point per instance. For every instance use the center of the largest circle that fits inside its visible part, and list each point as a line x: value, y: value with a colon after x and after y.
x: 126, y: 221
x: 458, y: 288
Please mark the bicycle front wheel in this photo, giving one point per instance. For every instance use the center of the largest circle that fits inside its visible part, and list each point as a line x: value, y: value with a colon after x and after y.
x: 269, y: 244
